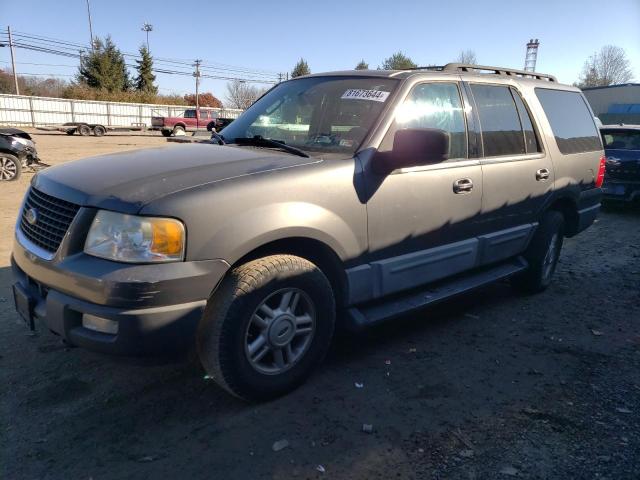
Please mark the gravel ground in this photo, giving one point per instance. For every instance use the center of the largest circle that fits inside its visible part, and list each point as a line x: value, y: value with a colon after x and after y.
x: 493, y: 385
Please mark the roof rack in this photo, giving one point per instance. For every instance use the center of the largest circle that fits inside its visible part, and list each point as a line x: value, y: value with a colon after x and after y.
x: 467, y: 67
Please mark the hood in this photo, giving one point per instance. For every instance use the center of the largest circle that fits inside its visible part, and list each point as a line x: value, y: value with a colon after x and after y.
x: 14, y: 132
x: 127, y: 181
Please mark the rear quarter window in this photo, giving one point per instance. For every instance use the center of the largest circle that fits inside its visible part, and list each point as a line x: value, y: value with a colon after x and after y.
x: 571, y: 122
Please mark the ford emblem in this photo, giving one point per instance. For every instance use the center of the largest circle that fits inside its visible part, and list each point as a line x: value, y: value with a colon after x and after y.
x: 32, y: 216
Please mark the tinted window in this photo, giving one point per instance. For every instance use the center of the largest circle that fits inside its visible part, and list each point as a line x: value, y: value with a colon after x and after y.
x: 189, y: 114
x: 570, y: 119
x: 499, y: 120
x: 435, y: 105
x: 530, y: 140
x: 621, y: 139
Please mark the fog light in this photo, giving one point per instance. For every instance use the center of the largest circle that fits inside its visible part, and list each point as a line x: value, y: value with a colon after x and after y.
x: 99, y: 324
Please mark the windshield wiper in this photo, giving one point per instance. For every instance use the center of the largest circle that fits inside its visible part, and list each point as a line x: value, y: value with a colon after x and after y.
x: 260, y: 141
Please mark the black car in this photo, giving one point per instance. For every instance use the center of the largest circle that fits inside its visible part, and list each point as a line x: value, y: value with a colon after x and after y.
x: 17, y: 151
x: 622, y: 149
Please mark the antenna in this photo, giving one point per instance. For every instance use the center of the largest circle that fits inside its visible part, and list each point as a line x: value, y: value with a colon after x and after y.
x: 531, y: 56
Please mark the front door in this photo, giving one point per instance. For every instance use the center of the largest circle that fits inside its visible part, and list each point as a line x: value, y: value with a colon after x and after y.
x: 421, y: 218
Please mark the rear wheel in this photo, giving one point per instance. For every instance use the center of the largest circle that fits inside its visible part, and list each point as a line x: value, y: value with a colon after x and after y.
x: 99, y: 130
x: 10, y: 167
x: 543, y: 254
x: 84, y: 130
x: 267, y: 327
x: 178, y: 131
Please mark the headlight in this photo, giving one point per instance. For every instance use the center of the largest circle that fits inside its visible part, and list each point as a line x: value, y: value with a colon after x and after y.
x: 134, y: 239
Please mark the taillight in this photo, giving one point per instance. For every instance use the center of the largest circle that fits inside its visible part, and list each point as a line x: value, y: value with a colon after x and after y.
x: 600, y: 177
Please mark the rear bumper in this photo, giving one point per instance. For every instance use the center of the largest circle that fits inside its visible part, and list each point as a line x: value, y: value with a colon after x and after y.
x: 621, y: 190
x: 157, y: 310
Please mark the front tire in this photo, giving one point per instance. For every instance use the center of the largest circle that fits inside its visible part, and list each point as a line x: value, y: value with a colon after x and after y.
x: 543, y: 254
x: 84, y: 130
x: 267, y: 327
x: 10, y: 167
x: 179, y: 131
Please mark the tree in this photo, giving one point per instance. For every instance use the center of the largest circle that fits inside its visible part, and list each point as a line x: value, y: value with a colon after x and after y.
x: 362, y: 65
x: 144, y: 80
x: 468, y: 57
x: 242, y: 95
x: 398, y: 61
x: 104, y: 67
x: 609, y: 66
x: 206, y: 99
x: 301, y: 68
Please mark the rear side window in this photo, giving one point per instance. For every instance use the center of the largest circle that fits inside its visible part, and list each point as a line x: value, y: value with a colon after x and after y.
x: 530, y: 139
x: 499, y: 121
x: 570, y: 119
x: 621, y: 139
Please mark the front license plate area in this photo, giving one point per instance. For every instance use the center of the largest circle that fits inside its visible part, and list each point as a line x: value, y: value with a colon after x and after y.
x: 24, y: 305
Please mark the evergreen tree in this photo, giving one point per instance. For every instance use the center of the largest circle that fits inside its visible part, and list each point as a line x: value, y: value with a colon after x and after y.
x: 362, y: 65
x: 144, y: 80
x: 398, y: 61
x: 301, y: 68
x: 104, y: 67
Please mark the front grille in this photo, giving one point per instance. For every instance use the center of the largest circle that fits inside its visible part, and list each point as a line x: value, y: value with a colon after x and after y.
x: 52, y: 219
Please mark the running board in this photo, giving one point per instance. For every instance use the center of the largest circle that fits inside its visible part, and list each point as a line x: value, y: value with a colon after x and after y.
x: 359, y: 318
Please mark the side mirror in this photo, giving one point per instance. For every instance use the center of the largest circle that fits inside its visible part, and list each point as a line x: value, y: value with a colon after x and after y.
x: 413, y: 147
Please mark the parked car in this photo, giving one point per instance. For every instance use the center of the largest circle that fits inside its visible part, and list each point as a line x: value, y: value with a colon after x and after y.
x: 622, y: 149
x: 348, y: 197
x: 17, y: 152
x: 191, y: 120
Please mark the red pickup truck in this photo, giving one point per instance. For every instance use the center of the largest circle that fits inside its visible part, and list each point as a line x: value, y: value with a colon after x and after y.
x: 191, y: 120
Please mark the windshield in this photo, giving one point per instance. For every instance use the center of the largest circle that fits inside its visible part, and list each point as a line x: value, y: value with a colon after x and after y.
x: 622, y: 140
x: 317, y: 114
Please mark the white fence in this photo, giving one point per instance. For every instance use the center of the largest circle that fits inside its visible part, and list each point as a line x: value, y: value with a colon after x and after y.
x: 22, y: 110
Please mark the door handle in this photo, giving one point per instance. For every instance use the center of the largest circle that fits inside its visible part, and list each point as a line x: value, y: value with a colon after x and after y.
x: 542, y: 174
x: 463, y: 185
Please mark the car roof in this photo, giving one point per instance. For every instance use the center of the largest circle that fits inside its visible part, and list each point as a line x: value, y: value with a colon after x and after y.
x: 476, y: 72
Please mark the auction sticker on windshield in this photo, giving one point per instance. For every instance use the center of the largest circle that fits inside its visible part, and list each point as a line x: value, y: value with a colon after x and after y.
x: 361, y: 94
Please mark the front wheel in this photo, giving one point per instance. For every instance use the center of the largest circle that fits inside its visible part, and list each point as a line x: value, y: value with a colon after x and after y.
x: 178, y: 131
x: 543, y: 254
x: 10, y: 167
x: 267, y: 327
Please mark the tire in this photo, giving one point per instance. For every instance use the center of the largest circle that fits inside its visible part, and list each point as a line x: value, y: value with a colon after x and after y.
x: 70, y: 132
x: 99, y: 131
x: 166, y: 133
x: 178, y: 131
x: 10, y: 167
x: 542, y: 254
x: 235, y: 322
x: 84, y: 130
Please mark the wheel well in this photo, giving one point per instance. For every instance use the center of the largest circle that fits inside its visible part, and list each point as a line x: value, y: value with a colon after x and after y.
x: 569, y: 211
x: 313, y: 250
x: 182, y: 125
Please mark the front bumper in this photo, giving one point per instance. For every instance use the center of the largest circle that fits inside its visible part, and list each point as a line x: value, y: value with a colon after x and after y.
x: 157, y: 307
x: 621, y: 190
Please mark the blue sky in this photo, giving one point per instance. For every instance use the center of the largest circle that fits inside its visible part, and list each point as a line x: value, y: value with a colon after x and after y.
x: 330, y: 35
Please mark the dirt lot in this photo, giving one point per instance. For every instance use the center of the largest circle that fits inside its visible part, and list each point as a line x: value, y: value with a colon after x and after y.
x: 494, y: 385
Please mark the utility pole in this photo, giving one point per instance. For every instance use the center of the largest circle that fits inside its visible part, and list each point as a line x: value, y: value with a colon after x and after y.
x: 90, y: 27
x: 197, y: 75
x: 147, y: 27
x: 13, y: 61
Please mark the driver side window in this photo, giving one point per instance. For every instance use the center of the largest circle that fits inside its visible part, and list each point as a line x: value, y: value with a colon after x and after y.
x: 432, y: 105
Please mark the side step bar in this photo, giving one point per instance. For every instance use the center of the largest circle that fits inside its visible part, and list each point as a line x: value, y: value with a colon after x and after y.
x: 359, y: 318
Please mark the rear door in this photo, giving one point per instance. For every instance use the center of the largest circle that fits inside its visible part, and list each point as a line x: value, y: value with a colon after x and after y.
x: 517, y: 173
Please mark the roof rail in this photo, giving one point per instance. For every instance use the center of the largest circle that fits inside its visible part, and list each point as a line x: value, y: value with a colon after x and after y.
x: 510, y: 72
